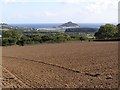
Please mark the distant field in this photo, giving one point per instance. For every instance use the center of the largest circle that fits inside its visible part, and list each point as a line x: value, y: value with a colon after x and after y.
x: 71, y: 64
x: 5, y: 29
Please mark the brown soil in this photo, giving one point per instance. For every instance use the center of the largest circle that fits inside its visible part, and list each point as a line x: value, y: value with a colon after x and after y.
x: 10, y: 81
x: 64, y: 65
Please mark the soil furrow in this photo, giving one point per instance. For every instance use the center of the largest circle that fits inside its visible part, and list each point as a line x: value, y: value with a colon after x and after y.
x: 65, y: 65
x: 50, y: 64
x: 10, y: 80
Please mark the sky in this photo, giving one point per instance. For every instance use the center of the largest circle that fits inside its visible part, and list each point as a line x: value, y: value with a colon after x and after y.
x: 58, y: 11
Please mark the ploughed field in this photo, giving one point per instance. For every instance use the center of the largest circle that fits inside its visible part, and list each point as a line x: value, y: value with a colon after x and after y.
x: 62, y: 65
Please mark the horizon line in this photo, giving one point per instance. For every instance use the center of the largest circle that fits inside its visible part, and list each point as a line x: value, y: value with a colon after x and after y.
x: 65, y: 22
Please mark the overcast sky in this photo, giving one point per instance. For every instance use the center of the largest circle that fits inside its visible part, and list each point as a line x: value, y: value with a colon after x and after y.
x: 59, y: 11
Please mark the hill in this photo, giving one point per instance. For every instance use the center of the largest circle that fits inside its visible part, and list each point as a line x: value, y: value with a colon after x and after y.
x: 69, y: 25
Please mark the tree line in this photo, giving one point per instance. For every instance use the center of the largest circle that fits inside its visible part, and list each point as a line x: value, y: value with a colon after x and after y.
x: 14, y: 37
x: 82, y: 30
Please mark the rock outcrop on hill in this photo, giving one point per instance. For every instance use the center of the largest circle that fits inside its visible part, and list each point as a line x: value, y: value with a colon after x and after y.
x: 69, y: 25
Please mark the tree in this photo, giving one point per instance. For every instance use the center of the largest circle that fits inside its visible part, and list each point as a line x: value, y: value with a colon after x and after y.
x: 46, y: 38
x: 62, y: 37
x: 5, y: 42
x: 11, y: 41
x: 107, y: 31
x: 12, y: 35
x: 118, y: 27
x: 83, y: 37
x: 118, y: 33
x: 24, y: 40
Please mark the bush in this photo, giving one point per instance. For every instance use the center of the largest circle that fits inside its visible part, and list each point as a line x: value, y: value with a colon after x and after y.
x: 10, y: 37
x: 11, y: 34
x: 83, y: 37
x: 5, y: 42
x: 12, y: 41
x: 8, y: 41
x: 46, y: 38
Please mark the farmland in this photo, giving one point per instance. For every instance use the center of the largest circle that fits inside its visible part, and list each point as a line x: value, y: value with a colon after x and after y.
x: 68, y: 65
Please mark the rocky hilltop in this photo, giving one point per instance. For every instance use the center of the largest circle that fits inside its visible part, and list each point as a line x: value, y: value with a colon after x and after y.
x: 69, y: 25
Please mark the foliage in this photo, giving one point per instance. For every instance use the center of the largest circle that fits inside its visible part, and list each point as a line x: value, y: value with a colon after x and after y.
x: 10, y: 37
x: 8, y: 41
x: 5, y: 42
x: 118, y: 32
x: 11, y: 34
x: 82, y: 30
x: 13, y: 37
x: 46, y: 38
x: 107, y: 31
x: 24, y: 40
x: 83, y: 37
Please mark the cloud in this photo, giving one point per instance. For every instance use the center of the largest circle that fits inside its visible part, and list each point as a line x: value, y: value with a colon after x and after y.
x: 76, y: 10
x: 8, y: 1
x: 102, y: 6
x: 95, y: 6
x: 70, y: 1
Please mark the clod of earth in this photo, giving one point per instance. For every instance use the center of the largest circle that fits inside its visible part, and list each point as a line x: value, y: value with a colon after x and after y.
x: 109, y: 77
x: 92, y: 74
x: 9, y: 78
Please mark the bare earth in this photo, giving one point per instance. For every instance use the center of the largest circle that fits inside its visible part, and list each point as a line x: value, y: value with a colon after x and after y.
x: 64, y: 65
